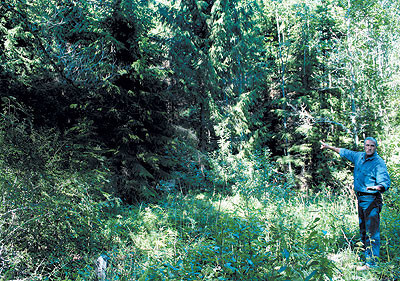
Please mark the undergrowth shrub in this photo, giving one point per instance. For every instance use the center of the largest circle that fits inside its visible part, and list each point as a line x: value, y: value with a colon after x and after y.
x: 251, y: 174
x: 390, y: 226
x: 201, y: 237
x: 248, y: 235
x: 259, y: 230
x: 50, y: 206
x: 189, y: 167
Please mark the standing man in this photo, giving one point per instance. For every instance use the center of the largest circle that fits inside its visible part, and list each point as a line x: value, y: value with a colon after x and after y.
x: 371, y: 179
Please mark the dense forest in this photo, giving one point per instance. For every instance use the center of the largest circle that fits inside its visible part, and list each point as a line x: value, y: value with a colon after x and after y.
x: 181, y: 138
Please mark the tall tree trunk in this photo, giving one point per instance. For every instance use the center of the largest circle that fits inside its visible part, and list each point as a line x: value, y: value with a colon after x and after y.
x: 203, y: 125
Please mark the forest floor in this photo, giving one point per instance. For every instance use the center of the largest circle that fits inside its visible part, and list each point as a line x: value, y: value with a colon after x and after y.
x: 238, y: 237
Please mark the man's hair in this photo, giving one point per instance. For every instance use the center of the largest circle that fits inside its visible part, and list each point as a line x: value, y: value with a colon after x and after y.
x: 371, y: 139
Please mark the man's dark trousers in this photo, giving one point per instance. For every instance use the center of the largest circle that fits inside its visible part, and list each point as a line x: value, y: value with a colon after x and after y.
x: 369, y: 207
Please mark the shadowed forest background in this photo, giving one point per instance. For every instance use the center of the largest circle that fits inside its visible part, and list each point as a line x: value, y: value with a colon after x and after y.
x: 181, y: 138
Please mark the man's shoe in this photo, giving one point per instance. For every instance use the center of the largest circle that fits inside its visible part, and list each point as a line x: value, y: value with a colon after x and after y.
x: 363, y: 267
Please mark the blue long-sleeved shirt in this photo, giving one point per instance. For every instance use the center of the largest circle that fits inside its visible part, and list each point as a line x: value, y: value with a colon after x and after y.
x: 367, y: 172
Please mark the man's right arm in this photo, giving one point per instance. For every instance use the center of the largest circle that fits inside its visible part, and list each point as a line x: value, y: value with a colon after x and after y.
x: 326, y: 146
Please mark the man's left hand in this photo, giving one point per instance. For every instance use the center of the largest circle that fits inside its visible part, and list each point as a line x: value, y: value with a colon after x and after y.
x: 376, y: 187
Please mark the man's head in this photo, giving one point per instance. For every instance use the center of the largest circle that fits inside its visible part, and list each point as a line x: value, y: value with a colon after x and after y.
x: 370, y: 145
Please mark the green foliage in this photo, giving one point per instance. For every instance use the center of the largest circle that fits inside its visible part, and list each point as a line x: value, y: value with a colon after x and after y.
x: 260, y: 230
x: 239, y: 74
x: 237, y: 237
x: 190, y: 168
x: 144, y: 99
x: 50, y: 202
x: 191, y: 71
x: 93, y: 70
x: 391, y: 224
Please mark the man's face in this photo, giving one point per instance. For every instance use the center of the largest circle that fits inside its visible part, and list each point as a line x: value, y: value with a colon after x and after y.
x: 369, y: 147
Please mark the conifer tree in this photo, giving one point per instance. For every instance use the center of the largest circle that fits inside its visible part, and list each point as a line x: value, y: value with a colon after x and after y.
x: 93, y: 70
x: 192, y: 72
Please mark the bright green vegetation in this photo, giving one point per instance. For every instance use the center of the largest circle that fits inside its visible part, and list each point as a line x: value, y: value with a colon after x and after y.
x: 181, y: 137
x: 259, y: 230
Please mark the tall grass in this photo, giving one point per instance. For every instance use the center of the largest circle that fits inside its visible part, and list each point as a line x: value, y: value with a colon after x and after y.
x: 212, y: 237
